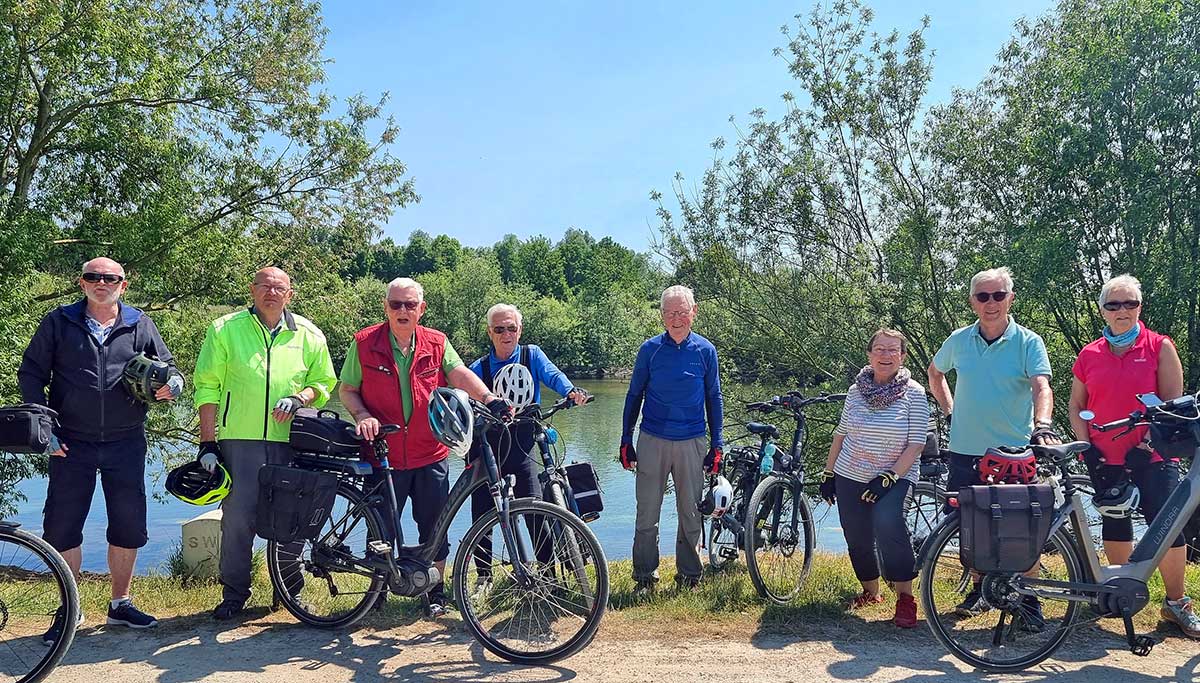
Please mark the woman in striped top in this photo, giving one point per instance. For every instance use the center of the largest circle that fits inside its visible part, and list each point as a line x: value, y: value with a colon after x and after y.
x: 872, y: 467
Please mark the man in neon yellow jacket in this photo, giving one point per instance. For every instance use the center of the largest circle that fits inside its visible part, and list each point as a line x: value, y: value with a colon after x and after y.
x: 256, y: 368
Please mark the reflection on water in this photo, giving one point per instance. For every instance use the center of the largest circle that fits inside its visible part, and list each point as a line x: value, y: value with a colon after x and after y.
x: 590, y: 434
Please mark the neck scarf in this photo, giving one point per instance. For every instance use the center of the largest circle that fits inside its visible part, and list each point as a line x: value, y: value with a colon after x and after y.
x: 1126, y: 339
x: 881, y: 395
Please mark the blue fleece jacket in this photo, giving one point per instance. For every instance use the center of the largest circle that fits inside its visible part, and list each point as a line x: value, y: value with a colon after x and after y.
x: 674, y: 388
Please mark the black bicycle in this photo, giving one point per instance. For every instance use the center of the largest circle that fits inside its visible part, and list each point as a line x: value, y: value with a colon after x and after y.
x: 36, y: 589
x: 548, y: 588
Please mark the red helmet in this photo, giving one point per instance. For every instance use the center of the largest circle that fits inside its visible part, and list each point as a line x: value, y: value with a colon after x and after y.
x: 1008, y: 466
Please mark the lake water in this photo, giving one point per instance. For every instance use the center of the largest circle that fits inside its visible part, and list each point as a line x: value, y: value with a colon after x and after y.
x: 589, y: 434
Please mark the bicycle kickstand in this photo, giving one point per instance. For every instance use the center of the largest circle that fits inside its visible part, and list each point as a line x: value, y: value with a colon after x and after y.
x: 1138, y: 645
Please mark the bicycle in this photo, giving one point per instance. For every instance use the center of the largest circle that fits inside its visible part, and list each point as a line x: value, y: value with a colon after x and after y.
x: 779, y: 543
x: 35, y: 586
x: 1069, y: 571
x: 537, y: 611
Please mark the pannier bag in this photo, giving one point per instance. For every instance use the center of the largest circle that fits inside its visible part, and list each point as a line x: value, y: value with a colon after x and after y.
x: 1004, y: 527
x: 26, y: 428
x: 293, y: 504
x: 324, y: 433
x: 585, y: 488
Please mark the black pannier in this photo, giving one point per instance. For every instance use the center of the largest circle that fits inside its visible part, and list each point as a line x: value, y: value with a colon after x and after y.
x: 1004, y: 527
x: 26, y: 428
x: 585, y: 488
x: 293, y: 504
x: 324, y: 433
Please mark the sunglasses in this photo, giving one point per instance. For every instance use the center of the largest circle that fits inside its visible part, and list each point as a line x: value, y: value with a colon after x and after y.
x: 398, y: 305
x: 1118, y: 305
x: 501, y: 329
x: 982, y: 297
x: 106, y: 278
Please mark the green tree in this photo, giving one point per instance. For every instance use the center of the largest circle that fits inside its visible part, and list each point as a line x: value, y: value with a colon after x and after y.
x: 445, y: 252
x: 540, y: 266
x: 418, y: 254
x: 575, y: 250
x: 505, y: 252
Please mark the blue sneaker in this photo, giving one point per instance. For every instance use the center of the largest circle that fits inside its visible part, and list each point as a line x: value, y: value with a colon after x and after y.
x: 51, y: 636
x: 125, y: 614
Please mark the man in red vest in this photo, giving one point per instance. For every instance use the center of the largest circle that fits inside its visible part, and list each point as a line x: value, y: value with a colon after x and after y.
x: 389, y: 373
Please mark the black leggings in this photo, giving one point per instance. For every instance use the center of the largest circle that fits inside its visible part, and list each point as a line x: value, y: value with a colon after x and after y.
x: 866, y: 525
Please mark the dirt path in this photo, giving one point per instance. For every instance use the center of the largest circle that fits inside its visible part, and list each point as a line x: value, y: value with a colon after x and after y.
x: 196, y: 649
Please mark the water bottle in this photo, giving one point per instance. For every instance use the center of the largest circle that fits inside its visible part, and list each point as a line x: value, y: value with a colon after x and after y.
x: 768, y: 459
x: 551, y: 435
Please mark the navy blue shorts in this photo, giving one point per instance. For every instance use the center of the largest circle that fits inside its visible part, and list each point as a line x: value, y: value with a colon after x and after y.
x: 429, y: 489
x: 122, y: 469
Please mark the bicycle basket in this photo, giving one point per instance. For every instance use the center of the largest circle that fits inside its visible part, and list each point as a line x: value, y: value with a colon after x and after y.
x: 585, y: 488
x: 1175, y: 440
x: 26, y: 428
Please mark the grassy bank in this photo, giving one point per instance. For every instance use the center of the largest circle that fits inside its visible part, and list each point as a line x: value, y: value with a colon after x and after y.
x: 725, y: 604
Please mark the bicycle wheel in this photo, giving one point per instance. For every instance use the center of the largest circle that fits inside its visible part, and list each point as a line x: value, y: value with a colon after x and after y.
x: 723, y: 542
x: 779, y: 538
x: 568, y: 543
x: 1001, y: 639
x: 318, y: 581
x: 551, y: 614
x: 35, y: 587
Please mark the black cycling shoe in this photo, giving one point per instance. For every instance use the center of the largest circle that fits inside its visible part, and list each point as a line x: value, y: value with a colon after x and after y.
x: 227, y: 610
x: 973, y: 605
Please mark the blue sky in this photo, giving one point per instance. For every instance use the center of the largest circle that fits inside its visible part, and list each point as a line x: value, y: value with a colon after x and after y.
x: 531, y: 118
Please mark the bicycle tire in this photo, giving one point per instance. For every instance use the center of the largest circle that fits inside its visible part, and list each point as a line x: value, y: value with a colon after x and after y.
x: 546, y: 582
x: 774, y: 572
x: 24, y: 605
x: 577, y: 562
x: 342, y: 535
x: 943, y: 573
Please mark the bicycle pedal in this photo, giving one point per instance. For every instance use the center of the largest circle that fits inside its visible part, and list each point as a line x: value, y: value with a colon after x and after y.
x: 379, y: 548
x: 728, y: 553
x: 1142, y: 645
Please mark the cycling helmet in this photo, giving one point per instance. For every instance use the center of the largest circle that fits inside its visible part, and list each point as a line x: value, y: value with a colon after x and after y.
x: 1008, y: 466
x: 1118, y: 501
x: 192, y: 484
x: 450, y: 416
x: 717, y: 499
x: 514, y: 382
x: 144, y: 375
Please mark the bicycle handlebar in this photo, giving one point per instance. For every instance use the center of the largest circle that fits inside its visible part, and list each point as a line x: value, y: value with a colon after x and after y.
x: 794, y: 401
x: 1139, y: 417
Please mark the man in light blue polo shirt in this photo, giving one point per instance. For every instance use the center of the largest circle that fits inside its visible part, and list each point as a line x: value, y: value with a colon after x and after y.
x: 1002, y: 391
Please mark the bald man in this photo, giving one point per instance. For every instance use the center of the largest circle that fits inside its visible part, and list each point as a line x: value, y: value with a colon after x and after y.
x: 79, y: 353
x: 257, y: 366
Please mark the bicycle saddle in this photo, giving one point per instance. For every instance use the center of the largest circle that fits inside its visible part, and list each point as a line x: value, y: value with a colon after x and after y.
x: 1065, y: 451
x: 763, y: 428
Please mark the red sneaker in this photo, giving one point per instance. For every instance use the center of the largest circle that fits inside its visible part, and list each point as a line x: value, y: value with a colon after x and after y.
x: 906, y: 611
x: 865, y: 599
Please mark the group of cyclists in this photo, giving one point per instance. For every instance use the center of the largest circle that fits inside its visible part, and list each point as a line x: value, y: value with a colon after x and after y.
x: 259, y: 365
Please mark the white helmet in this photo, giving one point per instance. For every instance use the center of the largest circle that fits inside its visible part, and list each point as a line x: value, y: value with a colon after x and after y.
x: 514, y: 383
x: 1118, y: 501
x: 718, y: 498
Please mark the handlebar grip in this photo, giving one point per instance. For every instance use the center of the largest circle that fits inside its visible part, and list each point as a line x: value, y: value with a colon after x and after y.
x: 1109, y: 426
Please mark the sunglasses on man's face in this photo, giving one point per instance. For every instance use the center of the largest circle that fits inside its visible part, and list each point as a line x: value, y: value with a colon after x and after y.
x: 106, y: 278
x: 982, y: 297
x: 398, y: 305
x: 501, y: 329
x: 1118, y: 305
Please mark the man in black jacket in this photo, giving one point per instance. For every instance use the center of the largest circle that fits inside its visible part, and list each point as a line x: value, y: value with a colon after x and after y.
x: 80, y: 351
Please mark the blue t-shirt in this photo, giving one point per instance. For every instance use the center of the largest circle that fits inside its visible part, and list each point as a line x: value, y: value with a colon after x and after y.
x: 674, y: 387
x: 993, y: 397
x: 544, y: 372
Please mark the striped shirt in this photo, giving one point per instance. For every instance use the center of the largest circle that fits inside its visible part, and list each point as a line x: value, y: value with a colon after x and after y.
x: 875, y: 438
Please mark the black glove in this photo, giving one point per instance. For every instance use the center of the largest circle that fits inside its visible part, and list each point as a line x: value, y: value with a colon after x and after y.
x: 501, y: 409
x: 1137, y: 458
x: 628, y: 456
x: 1044, y: 435
x: 880, y: 486
x: 712, y: 461
x: 827, y: 489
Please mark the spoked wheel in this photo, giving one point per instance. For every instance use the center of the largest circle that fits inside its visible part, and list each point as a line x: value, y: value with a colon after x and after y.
x: 778, y: 538
x: 319, y: 581
x: 550, y: 611
x: 1006, y: 635
x: 723, y: 542
x: 36, y: 591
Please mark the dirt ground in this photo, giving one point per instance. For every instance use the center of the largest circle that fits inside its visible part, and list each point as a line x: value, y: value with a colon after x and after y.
x: 197, y: 649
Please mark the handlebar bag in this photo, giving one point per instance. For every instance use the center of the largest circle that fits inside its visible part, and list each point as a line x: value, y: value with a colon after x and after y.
x: 585, y: 489
x: 324, y: 433
x: 293, y: 504
x: 26, y: 428
x: 1004, y: 527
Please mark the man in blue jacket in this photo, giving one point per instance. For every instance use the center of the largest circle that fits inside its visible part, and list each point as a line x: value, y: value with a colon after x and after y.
x: 505, y: 324
x: 674, y: 388
x: 80, y: 351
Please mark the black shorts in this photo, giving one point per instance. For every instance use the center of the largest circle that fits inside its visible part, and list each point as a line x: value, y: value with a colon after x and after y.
x: 122, y: 469
x: 1155, y: 483
x: 429, y: 489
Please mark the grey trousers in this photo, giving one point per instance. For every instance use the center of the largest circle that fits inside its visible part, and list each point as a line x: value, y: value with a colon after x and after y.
x: 239, y: 510
x: 684, y: 462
